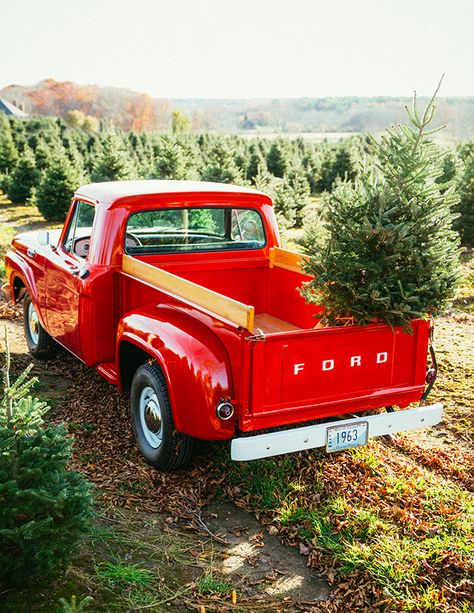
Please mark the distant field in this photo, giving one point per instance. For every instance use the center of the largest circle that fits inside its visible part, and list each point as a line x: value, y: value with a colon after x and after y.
x: 315, y: 137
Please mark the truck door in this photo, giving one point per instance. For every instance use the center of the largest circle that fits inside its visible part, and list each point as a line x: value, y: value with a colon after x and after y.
x: 63, y: 283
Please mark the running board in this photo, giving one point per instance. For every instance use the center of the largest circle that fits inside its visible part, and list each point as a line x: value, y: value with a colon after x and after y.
x: 310, y: 437
x: 108, y: 370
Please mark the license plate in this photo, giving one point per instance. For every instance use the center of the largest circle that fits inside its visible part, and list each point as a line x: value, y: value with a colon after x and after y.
x: 345, y: 437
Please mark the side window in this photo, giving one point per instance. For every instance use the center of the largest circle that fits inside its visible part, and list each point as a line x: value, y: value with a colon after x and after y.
x: 78, y: 237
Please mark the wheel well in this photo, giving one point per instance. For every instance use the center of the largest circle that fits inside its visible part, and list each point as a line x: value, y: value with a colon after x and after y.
x: 131, y: 358
x: 18, y: 289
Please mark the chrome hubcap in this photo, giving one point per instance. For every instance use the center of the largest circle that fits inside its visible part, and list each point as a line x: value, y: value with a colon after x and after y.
x: 33, y: 324
x: 150, y: 417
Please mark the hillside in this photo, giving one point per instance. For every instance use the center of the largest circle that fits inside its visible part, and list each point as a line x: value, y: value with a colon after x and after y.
x: 138, y: 111
x: 125, y: 108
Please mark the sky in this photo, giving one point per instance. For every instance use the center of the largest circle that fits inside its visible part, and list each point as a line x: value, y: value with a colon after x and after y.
x: 242, y: 48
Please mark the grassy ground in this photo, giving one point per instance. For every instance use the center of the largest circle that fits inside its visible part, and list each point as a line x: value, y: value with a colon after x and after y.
x: 390, y: 525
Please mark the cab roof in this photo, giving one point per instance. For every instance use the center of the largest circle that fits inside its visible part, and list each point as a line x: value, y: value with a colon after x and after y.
x: 111, y: 191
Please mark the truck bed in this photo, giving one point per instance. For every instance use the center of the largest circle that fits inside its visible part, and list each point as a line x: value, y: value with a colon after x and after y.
x: 270, y: 324
x: 297, y: 371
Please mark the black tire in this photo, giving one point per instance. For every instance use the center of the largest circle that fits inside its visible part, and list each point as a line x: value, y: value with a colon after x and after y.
x: 40, y: 344
x: 174, y: 450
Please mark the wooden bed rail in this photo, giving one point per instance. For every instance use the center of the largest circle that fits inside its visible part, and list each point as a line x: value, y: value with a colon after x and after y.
x: 290, y: 260
x: 232, y: 310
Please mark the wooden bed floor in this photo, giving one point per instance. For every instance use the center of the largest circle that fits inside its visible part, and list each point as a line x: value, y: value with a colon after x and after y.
x: 267, y: 323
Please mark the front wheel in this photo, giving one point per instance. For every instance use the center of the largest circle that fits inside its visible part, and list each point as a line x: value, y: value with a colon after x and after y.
x: 152, y: 420
x: 40, y: 344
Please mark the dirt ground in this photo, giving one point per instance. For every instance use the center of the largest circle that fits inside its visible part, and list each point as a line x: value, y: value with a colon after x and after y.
x: 229, y: 542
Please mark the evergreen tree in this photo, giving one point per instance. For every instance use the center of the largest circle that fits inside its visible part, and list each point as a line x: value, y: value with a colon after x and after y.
x: 113, y: 163
x: 8, y: 150
x: 465, y: 150
x: 316, y: 235
x: 277, y: 158
x: 263, y: 179
x: 452, y: 167
x: 339, y: 162
x: 256, y: 161
x: 42, y: 155
x: 392, y: 255
x: 221, y: 166
x: 464, y: 224
x: 173, y: 161
x: 300, y: 193
x: 24, y: 178
x: 45, y: 508
x: 57, y: 186
x: 283, y: 196
x: 311, y: 163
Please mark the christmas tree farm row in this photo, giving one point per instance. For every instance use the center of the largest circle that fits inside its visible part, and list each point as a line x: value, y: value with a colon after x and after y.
x: 42, y: 161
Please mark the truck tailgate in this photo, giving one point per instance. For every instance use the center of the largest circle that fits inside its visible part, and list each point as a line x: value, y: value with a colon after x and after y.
x: 314, y: 373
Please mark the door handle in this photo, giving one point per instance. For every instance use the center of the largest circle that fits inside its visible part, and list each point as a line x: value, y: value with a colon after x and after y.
x: 31, y: 252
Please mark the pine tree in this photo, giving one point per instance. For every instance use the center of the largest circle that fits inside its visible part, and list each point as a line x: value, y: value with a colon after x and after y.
x: 464, y: 224
x: 57, y: 186
x: 45, y: 507
x: 283, y: 196
x: 278, y: 158
x: 392, y: 254
x: 338, y: 162
x: 301, y: 190
x: 452, y: 167
x: 114, y: 162
x: 311, y: 163
x: 316, y: 235
x: 256, y: 161
x: 263, y: 180
x: 43, y: 155
x: 8, y: 151
x: 24, y: 178
x: 173, y: 161
x: 221, y: 166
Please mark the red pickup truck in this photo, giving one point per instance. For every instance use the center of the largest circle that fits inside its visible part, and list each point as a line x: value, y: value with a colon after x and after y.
x: 180, y: 294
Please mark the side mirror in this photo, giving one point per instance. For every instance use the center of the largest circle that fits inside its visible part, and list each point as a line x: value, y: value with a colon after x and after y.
x: 43, y: 237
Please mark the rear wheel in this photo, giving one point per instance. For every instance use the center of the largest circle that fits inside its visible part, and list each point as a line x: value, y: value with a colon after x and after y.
x: 40, y: 344
x: 152, y: 420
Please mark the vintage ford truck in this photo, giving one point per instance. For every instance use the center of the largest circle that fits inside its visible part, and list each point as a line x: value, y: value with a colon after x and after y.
x: 180, y: 294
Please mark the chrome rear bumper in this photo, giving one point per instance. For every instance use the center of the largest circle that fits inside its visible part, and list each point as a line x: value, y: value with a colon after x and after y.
x: 310, y: 437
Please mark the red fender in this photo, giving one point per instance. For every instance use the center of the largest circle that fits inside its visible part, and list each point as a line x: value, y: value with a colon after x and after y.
x: 194, y: 362
x: 17, y: 268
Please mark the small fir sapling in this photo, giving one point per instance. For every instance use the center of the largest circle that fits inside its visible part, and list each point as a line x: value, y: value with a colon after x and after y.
x: 392, y: 254
x: 45, y: 507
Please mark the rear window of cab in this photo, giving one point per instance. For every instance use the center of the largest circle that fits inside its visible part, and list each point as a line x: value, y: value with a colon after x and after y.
x: 194, y: 229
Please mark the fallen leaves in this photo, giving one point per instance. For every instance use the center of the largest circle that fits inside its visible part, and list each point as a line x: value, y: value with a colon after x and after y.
x: 385, y: 480
x: 10, y: 310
